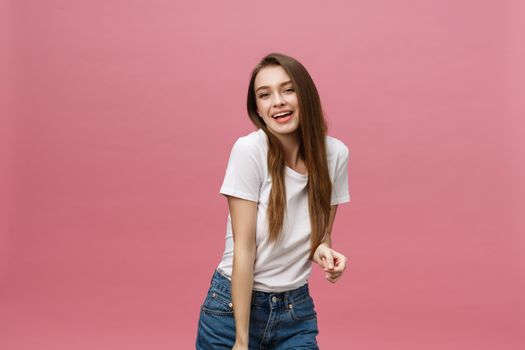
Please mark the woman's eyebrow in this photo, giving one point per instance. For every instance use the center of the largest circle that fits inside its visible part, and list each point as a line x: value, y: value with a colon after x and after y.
x: 264, y: 87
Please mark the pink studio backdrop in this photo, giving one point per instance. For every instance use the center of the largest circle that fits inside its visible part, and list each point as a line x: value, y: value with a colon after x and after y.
x: 117, y: 122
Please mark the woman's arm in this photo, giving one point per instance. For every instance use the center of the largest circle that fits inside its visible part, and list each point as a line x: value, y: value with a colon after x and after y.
x: 326, y: 243
x: 328, y: 234
x: 331, y: 261
x: 243, y: 215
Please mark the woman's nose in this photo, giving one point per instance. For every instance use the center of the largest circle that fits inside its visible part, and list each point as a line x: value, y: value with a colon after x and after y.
x: 278, y: 100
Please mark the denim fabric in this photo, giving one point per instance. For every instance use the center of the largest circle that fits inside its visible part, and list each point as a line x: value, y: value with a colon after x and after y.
x: 278, y: 321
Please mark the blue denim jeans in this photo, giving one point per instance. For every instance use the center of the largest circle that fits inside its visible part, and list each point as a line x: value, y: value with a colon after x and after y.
x: 278, y: 321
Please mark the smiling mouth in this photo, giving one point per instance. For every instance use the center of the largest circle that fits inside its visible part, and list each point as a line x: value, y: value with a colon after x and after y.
x: 284, y: 119
x: 282, y: 115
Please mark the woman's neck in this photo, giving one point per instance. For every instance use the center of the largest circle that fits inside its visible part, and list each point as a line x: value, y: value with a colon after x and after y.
x: 290, y: 144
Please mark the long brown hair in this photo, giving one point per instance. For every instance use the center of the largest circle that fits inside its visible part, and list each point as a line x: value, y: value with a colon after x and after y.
x: 312, y: 149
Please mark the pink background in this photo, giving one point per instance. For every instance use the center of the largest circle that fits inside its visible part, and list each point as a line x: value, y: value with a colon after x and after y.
x: 117, y: 122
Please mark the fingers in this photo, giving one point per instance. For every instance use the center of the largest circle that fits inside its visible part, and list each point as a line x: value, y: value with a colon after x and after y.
x: 335, y: 274
x: 339, y: 264
x: 328, y: 260
x: 332, y: 262
x: 333, y: 277
x: 340, y: 261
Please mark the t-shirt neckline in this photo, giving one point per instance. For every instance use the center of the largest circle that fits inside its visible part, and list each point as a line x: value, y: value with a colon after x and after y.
x: 290, y: 170
x: 296, y: 172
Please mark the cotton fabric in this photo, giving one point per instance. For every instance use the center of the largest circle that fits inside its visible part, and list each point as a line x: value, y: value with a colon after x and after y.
x: 281, y: 265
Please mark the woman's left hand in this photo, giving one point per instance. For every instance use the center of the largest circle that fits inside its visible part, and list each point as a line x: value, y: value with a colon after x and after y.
x: 332, y: 262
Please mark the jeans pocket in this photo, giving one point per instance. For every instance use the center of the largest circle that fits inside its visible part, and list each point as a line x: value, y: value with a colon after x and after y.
x: 218, y: 303
x: 303, y: 310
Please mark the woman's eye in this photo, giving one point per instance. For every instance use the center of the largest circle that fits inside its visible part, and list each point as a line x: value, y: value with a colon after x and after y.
x: 287, y: 90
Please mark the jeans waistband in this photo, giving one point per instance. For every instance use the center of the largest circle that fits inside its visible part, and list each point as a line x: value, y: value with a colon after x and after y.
x: 297, y: 295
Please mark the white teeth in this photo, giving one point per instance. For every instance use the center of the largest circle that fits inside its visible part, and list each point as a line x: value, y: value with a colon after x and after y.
x: 280, y: 114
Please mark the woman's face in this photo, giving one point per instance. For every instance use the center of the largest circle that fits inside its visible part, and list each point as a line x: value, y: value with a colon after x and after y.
x: 275, y: 95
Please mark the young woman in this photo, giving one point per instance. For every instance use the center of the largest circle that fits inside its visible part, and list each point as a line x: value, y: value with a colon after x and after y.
x: 283, y: 183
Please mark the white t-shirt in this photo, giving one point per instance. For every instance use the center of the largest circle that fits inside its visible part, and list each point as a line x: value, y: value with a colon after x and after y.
x: 282, y: 265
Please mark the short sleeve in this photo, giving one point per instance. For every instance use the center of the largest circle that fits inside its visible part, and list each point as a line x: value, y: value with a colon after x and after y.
x: 340, y: 190
x: 243, y: 176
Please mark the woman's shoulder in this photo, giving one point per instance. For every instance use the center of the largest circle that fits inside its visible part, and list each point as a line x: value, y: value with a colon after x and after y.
x: 252, y: 143
x: 335, y: 146
x: 255, y: 137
